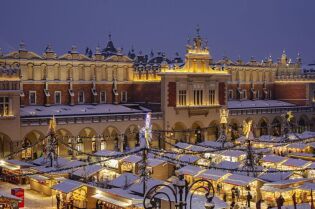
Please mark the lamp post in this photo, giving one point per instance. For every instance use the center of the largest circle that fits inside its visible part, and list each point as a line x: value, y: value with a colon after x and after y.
x: 180, y: 192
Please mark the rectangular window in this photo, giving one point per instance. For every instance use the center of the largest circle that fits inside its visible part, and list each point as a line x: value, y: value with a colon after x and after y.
x: 4, y: 106
x: 198, y: 97
x: 182, y: 97
x: 57, y: 97
x: 212, y: 97
x: 257, y: 94
x: 81, y: 97
x: 230, y: 96
x: 32, y: 97
x: 124, y: 96
x: 103, y: 97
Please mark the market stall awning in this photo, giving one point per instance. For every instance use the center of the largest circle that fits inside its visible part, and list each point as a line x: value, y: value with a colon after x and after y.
x: 88, y: 171
x: 273, y: 159
x: 111, y: 200
x: 124, y: 180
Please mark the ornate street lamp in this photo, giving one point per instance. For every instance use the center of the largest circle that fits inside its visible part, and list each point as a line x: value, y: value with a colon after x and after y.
x: 180, y: 192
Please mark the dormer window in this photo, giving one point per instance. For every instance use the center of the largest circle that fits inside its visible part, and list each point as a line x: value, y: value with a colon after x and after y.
x: 230, y: 94
x: 103, y: 97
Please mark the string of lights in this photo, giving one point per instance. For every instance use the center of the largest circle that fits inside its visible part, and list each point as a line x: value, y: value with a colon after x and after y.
x: 171, y: 160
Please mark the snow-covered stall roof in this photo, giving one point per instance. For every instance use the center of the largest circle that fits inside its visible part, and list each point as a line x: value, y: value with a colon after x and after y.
x: 112, y: 200
x: 274, y: 176
x: 19, y: 163
x: 298, y: 145
x: 212, y: 174
x: 228, y: 165
x: 107, y: 153
x: 308, y: 186
x: 138, y: 186
x: 182, y: 145
x: 288, y: 182
x: 296, y: 163
x: 215, y: 144
x: 124, y: 180
x: 88, y: 170
x: 65, y: 110
x: 244, y: 104
x: 132, y: 159
x: 273, y: 159
x: 42, y: 161
x: 238, y: 180
x: 190, y: 170
x: 67, y: 186
x: 9, y: 196
x: 38, y: 177
x: 188, y: 158
x: 152, y: 162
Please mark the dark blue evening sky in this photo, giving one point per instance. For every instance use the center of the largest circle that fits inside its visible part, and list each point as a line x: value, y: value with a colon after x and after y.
x: 235, y: 27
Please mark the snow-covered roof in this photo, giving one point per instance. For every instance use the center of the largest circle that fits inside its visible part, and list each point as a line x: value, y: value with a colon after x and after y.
x: 288, y: 182
x: 42, y: 161
x: 273, y: 159
x: 132, y: 159
x: 215, y: 144
x: 9, y: 196
x: 65, y: 110
x: 298, y: 145
x: 38, y: 177
x: 190, y: 170
x: 228, y: 164
x: 307, y: 186
x: 277, y: 176
x: 237, y: 104
x: 188, y: 158
x: 296, y: 163
x: 138, y: 186
x: 212, y: 174
x: 88, y: 171
x: 238, y: 180
x: 125, y: 179
x: 105, y: 152
x: 152, y: 162
x: 182, y: 145
x: 19, y: 163
x: 67, y: 186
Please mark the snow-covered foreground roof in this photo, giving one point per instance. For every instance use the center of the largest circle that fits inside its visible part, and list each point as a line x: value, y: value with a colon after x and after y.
x: 9, y: 196
x: 236, y: 104
x: 88, y: 171
x: 65, y: 110
x: 67, y: 186
x: 212, y: 174
x: 124, y: 180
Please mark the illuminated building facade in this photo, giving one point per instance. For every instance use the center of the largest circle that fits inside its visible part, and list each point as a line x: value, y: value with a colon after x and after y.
x: 100, y: 99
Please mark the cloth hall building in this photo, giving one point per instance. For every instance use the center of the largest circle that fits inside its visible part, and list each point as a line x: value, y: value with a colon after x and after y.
x: 100, y: 99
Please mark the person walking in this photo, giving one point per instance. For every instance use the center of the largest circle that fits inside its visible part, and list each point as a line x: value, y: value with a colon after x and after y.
x: 249, y: 197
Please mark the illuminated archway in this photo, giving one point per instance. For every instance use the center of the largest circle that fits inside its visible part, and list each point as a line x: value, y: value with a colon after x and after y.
x: 66, y: 138
x: 86, y: 141
x: 111, y: 138
x: 131, y: 137
x: 34, y: 149
x: 263, y: 127
x: 276, y: 126
x: 197, y: 134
